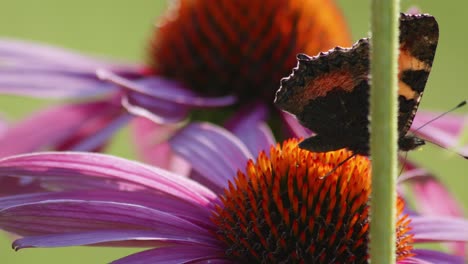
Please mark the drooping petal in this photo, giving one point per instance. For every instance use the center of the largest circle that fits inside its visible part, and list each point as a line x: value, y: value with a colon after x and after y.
x: 50, y: 85
x: 439, y: 228
x: 42, y: 71
x: 176, y: 254
x: 62, y: 127
x: 432, y: 197
x: 164, y: 89
x: 424, y: 256
x: 73, y: 170
x: 12, y: 51
x: 249, y: 125
x: 214, y: 152
x: 151, y: 144
x: 158, y: 111
x: 444, y: 131
x: 172, y: 205
x: 63, y: 217
x: 295, y: 128
x: 127, y: 238
x: 452, y: 124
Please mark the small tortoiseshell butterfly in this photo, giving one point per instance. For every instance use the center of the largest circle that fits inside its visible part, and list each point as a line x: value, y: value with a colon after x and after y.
x: 329, y: 93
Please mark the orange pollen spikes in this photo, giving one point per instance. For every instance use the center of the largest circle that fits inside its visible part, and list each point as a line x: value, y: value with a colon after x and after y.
x: 241, y: 47
x: 284, y: 211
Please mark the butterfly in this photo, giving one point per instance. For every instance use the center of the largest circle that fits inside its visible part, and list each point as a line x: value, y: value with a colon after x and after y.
x: 329, y: 93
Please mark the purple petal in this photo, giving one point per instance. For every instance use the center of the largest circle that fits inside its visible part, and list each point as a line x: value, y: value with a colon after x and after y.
x: 439, y: 229
x: 161, y: 112
x: 128, y: 238
x: 51, y: 85
x: 100, y: 134
x: 172, y: 205
x: 250, y: 127
x: 57, y: 125
x: 176, y: 254
x: 164, y: 89
x: 3, y: 126
x: 294, y: 127
x: 432, y: 197
x: 436, y: 257
x: 452, y: 124
x: 72, y: 216
x: 443, y: 132
x: 212, y: 151
x: 13, y: 50
x: 48, y: 72
x: 153, y: 148
x: 70, y: 170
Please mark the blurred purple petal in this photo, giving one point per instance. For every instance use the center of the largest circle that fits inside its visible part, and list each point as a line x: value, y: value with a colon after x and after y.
x: 176, y: 254
x: 48, y: 72
x: 153, y: 148
x: 444, y: 132
x: 76, y: 168
x: 12, y: 50
x: 3, y: 126
x: 60, y: 126
x: 249, y: 125
x: 213, y: 152
x: 161, y: 112
x: 439, y: 228
x: 51, y: 85
x: 435, y: 257
x: 164, y: 89
x: 103, y: 131
x: 432, y: 197
x: 452, y: 124
x: 295, y: 128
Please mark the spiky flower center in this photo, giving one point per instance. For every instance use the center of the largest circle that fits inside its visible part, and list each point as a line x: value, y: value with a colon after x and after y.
x: 242, y: 47
x: 283, y: 210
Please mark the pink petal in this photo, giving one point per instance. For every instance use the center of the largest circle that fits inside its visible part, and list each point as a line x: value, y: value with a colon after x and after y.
x: 439, y: 229
x: 60, y: 169
x: 249, y: 125
x: 425, y: 256
x: 213, y: 152
x: 62, y: 127
x: 164, y: 89
x: 153, y: 148
x: 175, y: 255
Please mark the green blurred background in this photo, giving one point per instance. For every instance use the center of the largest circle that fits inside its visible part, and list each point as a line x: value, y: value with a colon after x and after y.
x: 120, y: 29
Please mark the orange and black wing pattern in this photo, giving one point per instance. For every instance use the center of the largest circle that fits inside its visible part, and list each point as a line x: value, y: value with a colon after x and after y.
x: 329, y: 93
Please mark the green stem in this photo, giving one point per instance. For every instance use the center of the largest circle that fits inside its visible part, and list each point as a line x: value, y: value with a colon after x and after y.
x: 383, y: 141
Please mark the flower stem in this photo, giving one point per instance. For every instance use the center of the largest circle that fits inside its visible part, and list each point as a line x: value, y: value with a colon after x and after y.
x: 383, y: 114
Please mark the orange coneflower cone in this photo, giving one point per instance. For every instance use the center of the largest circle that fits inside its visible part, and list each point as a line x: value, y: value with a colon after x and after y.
x: 242, y: 47
x: 284, y: 210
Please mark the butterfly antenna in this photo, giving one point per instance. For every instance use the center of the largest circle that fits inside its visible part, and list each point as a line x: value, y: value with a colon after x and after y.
x: 339, y: 165
x: 461, y: 104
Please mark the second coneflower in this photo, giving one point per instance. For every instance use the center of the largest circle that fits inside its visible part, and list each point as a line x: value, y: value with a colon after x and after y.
x: 203, y: 54
x: 277, y: 209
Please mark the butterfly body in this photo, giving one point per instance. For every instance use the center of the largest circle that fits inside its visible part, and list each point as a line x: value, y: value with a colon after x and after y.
x: 329, y: 93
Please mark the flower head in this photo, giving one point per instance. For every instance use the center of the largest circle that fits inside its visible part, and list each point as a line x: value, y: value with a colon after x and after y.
x: 279, y: 207
x: 241, y: 48
x: 203, y: 55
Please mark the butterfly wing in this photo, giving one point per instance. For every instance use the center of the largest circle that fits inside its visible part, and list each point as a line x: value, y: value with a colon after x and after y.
x: 419, y: 35
x: 328, y: 94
